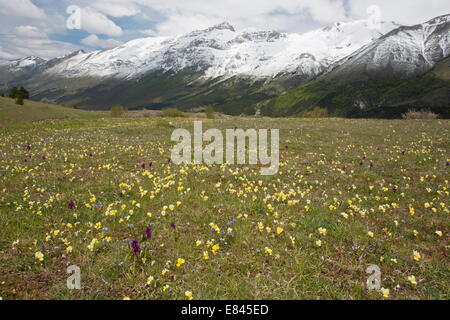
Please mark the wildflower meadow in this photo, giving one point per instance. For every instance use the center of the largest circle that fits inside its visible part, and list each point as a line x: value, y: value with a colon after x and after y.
x: 103, y: 195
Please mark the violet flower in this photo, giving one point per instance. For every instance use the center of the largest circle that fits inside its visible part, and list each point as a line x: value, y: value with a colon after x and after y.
x: 148, y: 232
x: 135, y: 246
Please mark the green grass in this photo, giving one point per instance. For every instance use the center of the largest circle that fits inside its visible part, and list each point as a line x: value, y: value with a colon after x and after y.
x: 31, y: 111
x: 91, y: 162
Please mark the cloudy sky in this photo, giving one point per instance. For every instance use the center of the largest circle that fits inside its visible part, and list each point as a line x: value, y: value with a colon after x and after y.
x: 39, y: 27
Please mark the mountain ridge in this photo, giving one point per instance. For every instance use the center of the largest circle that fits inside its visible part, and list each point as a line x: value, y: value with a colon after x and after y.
x: 205, y: 66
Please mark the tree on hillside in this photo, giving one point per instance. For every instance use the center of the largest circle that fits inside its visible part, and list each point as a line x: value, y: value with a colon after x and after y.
x: 19, y: 101
x: 13, y: 92
x: 22, y: 93
x: 209, y: 111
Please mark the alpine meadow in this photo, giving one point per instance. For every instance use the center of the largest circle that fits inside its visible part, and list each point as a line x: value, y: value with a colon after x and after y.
x: 152, y: 151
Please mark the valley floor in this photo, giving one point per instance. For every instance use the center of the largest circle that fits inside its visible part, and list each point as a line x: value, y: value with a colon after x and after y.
x: 349, y: 194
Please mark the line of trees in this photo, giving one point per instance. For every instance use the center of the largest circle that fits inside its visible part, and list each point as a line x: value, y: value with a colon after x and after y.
x: 19, y: 94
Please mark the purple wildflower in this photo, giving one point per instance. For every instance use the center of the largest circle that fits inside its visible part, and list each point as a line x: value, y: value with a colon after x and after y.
x: 447, y: 164
x: 71, y: 205
x: 150, y: 164
x: 135, y: 246
x: 173, y: 225
x: 143, y: 166
x: 148, y: 232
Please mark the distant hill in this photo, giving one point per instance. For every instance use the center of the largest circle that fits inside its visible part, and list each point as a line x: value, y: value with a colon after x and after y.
x: 378, y: 97
x: 31, y: 111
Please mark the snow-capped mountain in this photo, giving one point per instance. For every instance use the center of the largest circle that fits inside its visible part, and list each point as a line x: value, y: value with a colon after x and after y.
x: 404, y: 69
x: 220, y: 51
x: 236, y: 71
x: 404, y: 52
x: 23, y: 64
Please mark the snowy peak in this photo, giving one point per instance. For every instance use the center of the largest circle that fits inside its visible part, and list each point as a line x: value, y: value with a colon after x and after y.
x: 405, y: 51
x: 221, y: 51
x: 438, y: 20
x: 222, y: 26
x: 24, y: 63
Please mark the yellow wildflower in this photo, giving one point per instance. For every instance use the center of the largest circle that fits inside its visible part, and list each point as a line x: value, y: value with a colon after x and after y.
x: 39, y: 256
x: 189, y: 295
x: 215, y: 248
x: 412, y: 279
x: 416, y: 255
x: 180, y: 262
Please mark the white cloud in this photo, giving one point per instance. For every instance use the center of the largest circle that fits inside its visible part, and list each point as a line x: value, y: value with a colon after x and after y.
x: 29, y: 32
x: 180, y: 24
x: 286, y: 15
x: 148, y: 32
x: 95, y: 22
x: 405, y: 12
x: 14, y: 47
x: 116, y: 10
x: 21, y: 8
x: 94, y: 41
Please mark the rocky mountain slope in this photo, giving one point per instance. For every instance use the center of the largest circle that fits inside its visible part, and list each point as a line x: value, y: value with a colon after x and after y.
x: 403, y: 69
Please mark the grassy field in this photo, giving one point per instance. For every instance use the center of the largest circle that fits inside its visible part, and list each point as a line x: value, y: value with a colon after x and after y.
x: 33, y: 111
x: 350, y: 193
